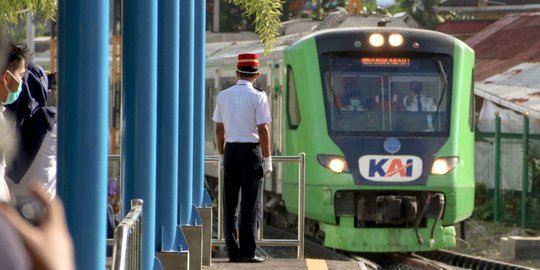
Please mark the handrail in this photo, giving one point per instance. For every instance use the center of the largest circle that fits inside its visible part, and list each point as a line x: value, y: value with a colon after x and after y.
x: 299, y: 241
x: 127, y: 251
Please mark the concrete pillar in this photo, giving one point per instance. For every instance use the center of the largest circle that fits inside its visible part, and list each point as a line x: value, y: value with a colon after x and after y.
x: 205, y: 212
x: 193, y: 233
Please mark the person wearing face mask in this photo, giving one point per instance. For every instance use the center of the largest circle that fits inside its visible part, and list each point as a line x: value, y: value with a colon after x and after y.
x: 24, y: 246
x: 351, y: 98
x: 417, y: 101
x: 11, y: 77
x: 35, y: 126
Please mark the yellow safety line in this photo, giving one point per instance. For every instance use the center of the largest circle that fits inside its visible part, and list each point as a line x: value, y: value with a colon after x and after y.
x: 316, y: 264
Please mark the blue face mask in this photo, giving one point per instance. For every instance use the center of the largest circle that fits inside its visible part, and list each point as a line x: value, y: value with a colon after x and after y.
x: 13, y: 96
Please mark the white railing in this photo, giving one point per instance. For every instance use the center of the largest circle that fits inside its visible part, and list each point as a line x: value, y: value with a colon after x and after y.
x: 299, y: 241
x: 127, y: 251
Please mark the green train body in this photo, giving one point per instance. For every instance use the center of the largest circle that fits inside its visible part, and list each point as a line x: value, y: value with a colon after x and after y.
x: 379, y: 178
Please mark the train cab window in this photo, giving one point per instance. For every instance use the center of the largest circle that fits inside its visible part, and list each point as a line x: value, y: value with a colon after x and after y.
x: 293, y: 111
x: 412, y: 97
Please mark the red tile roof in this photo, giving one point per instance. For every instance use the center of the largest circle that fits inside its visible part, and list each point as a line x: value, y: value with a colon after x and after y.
x: 467, y: 3
x: 509, y: 41
x: 462, y: 27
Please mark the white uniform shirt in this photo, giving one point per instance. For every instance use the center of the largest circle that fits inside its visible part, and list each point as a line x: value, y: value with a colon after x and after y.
x: 428, y: 104
x: 241, y: 108
x: 42, y: 169
x: 4, y: 143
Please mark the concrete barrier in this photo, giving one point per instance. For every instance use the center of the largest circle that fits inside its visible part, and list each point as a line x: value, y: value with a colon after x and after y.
x: 520, y: 247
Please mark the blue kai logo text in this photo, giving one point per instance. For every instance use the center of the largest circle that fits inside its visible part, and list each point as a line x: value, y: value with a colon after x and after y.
x: 390, y: 168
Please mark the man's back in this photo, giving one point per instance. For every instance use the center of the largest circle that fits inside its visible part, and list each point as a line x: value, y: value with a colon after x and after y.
x: 241, y: 108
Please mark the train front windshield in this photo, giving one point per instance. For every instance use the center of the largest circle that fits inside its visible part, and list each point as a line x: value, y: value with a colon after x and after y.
x: 377, y: 95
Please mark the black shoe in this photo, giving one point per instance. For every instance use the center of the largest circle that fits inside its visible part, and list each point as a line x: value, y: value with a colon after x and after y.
x: 254, y: 259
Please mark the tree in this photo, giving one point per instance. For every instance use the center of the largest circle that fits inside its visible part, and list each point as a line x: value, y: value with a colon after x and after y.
x: 267, y: 19
x: 267, y: 15
x: 423, y: 11
x: 12, y: 10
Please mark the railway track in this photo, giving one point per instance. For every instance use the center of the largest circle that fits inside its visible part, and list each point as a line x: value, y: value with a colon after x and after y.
x: 470, y: 262
x: 431, y: 260
x: 400, y: 261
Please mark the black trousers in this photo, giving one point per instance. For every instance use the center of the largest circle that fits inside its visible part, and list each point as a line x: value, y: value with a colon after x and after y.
x: 242, y: 172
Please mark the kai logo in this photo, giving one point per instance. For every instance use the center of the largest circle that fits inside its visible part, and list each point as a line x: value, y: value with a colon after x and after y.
x: 390, y: 168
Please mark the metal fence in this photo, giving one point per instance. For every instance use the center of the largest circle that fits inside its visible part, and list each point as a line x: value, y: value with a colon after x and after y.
x: 508, y: 174
x: 127, y: 251
x: 299, y: 241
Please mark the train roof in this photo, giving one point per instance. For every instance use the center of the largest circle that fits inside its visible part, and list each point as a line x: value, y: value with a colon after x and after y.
x: 293, y: 31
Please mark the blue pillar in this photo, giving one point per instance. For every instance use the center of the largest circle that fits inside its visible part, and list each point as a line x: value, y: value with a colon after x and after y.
x: 185, y: 167
x: 167, y: 123
x: 199, y: 125
x: 139, y: 115
x: 83, y: 47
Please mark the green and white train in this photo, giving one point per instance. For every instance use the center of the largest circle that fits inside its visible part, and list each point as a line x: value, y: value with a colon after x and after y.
x: 379, y: 177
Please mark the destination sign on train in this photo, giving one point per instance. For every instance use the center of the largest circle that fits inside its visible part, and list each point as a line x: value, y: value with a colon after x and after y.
x: 386, y: 61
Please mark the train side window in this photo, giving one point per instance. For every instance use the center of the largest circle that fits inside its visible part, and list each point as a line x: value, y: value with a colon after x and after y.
x: 210, y: 104
x: 293, y: 111
x: 261, y: 82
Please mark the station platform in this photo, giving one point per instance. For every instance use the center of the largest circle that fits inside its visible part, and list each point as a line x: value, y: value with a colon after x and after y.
x: 285, y: 264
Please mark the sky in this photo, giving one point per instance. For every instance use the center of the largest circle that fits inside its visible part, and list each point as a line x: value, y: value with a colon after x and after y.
x: 385, y: 3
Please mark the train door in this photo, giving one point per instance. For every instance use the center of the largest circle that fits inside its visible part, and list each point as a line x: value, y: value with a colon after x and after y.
x: 210, y: 148
x: 278, y: 123
x: 272, y: 77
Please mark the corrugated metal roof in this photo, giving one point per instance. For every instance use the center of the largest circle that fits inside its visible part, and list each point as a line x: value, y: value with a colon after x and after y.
x: 524, y: 74
x: 507, y: 69
x: 517, y: 88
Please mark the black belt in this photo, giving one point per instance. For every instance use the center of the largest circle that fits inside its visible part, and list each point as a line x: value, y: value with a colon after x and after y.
x: 243, y: 143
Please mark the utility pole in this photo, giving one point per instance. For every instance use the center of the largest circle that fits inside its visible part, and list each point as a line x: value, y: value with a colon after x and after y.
x: 30, y: 32
x: 215, y: 20
x: 355, y: 6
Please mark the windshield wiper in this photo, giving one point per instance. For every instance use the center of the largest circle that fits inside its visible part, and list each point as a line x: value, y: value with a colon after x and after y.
x: 334, y: 96
x: 442, y: 75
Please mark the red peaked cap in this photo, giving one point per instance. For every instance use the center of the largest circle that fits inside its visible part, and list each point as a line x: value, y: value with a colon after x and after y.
x: 248, y: 63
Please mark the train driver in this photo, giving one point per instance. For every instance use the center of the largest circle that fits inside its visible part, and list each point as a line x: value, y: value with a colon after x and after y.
x: 417, y: 101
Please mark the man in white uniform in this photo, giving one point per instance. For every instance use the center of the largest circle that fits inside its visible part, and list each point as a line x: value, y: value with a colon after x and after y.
x: 417, y: 101
x: 242, y: 115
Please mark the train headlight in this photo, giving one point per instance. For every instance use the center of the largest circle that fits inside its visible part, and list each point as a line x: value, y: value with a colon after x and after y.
x: 442, y: 166
x: 376, y: 40
x: 335, y: 163
x: 395, y: 40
